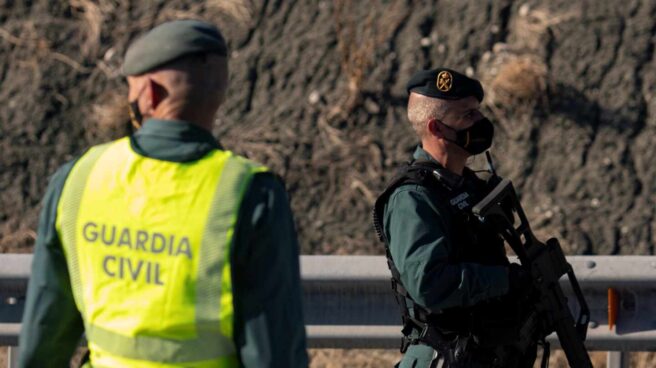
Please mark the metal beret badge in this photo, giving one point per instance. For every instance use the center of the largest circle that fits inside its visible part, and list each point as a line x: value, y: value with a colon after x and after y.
x: 444, y: 81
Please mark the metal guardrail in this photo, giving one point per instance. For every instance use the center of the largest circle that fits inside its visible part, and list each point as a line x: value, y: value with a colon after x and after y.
x: 348, y: 302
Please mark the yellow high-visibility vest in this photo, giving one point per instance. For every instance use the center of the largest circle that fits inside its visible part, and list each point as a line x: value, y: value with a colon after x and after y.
x: 147, y: 245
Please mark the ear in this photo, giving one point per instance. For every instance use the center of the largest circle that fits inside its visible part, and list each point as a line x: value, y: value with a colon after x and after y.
x: 435, y: 128
x: 157, y: 93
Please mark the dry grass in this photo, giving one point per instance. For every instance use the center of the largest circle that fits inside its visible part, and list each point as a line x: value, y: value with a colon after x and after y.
x: 27, y: 35
x: 91, y: 16
x: 515, y: 75
x: 356, y: 358
x: 533, y: 25
x: 75, y: 361
x: 338, y: 358
x: 111, y: 116
x: 239, y: 10
x: 236, y: 12
x: 558, y: 359
x: 20, y: 236
x: 93, y: 19
x: 358, y: 38
x: 643, y: 360
x: 3, y: 356
x: 519, y: 80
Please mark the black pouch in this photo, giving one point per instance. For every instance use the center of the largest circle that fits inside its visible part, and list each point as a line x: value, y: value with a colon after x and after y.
x: 498, y: 322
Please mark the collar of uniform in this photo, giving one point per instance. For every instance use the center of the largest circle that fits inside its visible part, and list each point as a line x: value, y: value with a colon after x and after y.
x: 178, y: 130
x: 173, y: 140
x: 454, y: 179
x: 421, y: 154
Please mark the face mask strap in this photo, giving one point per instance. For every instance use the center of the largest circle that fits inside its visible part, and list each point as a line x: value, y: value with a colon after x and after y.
x: 135, y: 114
x: 457, y: 134
x: 136, y: 118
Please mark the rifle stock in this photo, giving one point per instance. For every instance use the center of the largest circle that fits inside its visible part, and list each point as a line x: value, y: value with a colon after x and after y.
x: 546, y: 264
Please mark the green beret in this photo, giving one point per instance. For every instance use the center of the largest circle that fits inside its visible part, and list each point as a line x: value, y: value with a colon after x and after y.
x: 170, y: 41
x: 445, y: 84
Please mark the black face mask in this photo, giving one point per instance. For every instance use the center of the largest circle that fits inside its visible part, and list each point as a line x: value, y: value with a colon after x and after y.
x: 475, y: 139
x: 135, y: 114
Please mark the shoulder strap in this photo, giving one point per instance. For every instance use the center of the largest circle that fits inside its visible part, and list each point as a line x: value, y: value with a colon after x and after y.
x: 418, y: 172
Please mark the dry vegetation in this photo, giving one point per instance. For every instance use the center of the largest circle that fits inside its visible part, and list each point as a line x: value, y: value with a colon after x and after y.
x: 534, y: 26
x: 515, y: 74
x: 3, y: 356
x: 359, y: 40
x: 337, y: 358
x: 112, y: 116
x: 518, y: 80
x: 239, y: 10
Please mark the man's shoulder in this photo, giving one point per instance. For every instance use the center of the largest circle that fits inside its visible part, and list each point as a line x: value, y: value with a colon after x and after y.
x: 413, y: 185
x: 265, y: 201
x: 414, y: 195
x: 416, y: 182
x: 243, y: 160
x: 267, y: 179
x: 262, y: 176
x: 410, y: 191
x: 58, y: 178
x: 264, y: 186
x: 416, y: 190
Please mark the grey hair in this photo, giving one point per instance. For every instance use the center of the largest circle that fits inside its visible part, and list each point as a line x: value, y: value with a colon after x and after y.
x: 422, y: 108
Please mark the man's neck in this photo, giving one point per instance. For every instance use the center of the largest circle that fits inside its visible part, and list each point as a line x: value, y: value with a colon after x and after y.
x: 454, y: 163
x: 169, y: 113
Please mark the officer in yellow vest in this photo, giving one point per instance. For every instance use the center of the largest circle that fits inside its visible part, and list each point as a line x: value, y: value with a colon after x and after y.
x: 163, y: 248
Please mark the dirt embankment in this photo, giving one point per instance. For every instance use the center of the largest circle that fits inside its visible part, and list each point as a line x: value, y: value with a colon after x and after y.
x: 318, y: 95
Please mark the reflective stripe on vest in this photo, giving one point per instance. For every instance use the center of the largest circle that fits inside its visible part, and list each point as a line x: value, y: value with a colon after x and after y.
x: 147, y: 244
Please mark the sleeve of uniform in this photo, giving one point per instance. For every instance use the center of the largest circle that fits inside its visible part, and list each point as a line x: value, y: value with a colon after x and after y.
x: 420, y: 249
x: 269, y: 329
x: 52, y: 326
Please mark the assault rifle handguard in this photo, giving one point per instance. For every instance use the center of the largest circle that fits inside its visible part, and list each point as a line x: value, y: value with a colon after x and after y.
x: 546, y: 264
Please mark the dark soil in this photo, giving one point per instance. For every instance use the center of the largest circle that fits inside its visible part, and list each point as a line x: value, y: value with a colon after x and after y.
x: 317, y: 94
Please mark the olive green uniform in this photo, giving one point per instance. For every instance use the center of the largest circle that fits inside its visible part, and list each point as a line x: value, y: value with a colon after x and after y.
x: 422, y: 241
x: 268, y: 322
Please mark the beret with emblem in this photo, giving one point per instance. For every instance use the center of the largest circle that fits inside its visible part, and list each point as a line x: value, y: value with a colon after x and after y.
x: 445, y: 84
x: 170, y: 41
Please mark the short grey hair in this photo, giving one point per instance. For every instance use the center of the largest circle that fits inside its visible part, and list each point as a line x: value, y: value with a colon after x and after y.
x: 422, y: 108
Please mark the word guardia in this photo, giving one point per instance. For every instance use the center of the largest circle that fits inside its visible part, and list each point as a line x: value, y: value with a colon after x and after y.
x: 139, y: 241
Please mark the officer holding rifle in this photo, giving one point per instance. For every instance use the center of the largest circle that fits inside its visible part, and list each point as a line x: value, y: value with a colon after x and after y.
x: 463, y: 304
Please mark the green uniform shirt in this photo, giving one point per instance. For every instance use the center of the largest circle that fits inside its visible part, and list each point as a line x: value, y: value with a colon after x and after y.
x: 418, y: 226
x: 269, y: 329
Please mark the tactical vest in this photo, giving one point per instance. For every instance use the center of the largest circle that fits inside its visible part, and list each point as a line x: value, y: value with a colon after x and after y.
x: 473, y: 241
x: 147, y: 243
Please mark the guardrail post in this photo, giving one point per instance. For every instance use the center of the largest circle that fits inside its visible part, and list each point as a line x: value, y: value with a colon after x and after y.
x: 617, y: 359
x: 12, y: 357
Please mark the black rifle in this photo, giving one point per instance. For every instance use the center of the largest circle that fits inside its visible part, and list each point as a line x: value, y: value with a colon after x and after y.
x: 546, y: 263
